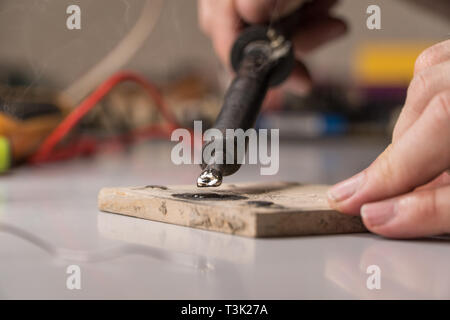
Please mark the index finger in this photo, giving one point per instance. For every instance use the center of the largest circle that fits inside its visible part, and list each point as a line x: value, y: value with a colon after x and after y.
x: 219, y: 20
x: 426, y: 82
x: 259, y: 11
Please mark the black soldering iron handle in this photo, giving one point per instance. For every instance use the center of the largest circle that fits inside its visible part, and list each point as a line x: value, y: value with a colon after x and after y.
x: 262, y: 57
x: 245, y: 94
x: 242, y: 103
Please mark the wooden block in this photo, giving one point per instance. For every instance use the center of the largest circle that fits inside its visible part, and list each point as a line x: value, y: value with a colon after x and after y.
x: 251, y: 209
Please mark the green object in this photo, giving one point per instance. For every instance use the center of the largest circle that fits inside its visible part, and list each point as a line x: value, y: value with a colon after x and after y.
x: 5, y: 154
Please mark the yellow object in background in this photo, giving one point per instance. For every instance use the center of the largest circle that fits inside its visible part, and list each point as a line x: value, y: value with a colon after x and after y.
x: 5, y: 154
x: 387, y: 64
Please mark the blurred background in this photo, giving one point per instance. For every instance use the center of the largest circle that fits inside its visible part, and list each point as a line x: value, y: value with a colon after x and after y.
x: 62, y: 99
x: 361, y: 79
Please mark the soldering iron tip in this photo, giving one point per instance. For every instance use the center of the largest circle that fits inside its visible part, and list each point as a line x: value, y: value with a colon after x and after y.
x: 209, y: 178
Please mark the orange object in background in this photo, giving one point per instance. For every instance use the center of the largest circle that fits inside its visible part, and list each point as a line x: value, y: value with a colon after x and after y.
x: 27, y: 116
x: 25, y: 136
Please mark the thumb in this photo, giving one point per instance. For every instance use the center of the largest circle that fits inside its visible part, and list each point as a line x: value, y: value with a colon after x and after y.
x: 418, y: 214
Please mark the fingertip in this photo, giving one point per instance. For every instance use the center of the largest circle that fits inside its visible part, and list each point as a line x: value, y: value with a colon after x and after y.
x: 414, y: 215
x: 223, y: 40
x: 378, y: 214
x: 204, y: 15
x: 344, y: 207
x: 379, y: 218
x: 255, y: 11
x: 332, y: 202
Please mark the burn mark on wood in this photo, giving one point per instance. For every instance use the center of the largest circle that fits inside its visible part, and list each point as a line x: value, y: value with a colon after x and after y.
x: 151, y: 186
x: 163, y: 208
x: 264, y: 204
x: 209, y: 196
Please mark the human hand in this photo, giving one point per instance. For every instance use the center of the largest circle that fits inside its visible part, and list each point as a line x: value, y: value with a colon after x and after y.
x: 405, y: 192
x: 222, y: 20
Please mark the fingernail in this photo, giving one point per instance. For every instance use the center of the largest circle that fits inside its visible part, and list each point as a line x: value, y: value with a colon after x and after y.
x: 379, y: 213
x: 345, y: 189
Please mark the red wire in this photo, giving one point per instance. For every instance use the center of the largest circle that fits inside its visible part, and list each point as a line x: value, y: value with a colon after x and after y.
x: 47, y: 147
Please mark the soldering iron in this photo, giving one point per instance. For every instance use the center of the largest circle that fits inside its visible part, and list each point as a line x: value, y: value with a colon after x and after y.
x: 262, y: 57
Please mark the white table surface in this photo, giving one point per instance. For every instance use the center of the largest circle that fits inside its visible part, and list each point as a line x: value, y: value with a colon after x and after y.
x: 49, y: 220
